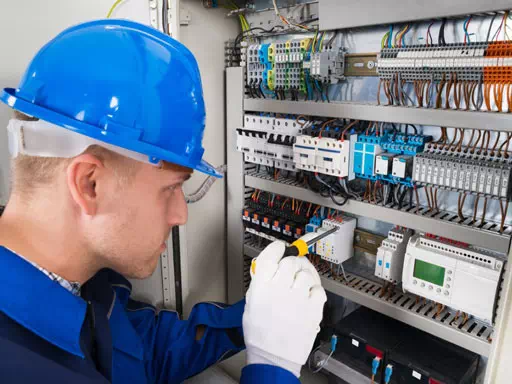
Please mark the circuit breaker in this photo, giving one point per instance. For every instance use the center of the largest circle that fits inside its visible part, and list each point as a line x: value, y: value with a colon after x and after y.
x: 390, y: 255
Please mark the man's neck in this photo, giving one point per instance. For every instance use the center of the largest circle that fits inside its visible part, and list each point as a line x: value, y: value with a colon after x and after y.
x: 46, y: 240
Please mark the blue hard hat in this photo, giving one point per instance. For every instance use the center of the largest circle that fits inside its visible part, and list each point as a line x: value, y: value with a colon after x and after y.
x: 122, y: 83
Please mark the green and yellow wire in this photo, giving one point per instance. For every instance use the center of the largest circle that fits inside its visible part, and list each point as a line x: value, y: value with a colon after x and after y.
x: 113, y: 7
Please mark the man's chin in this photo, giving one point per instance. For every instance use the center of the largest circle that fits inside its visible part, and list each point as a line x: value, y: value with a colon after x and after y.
x: 144, y: 271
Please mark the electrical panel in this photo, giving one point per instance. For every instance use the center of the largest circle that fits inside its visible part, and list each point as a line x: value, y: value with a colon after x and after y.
x: 375, y: 138
x: 459, y: 277
x: 390, y: 255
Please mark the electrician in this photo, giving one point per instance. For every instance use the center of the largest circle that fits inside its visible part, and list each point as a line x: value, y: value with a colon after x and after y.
x: 109, y: 119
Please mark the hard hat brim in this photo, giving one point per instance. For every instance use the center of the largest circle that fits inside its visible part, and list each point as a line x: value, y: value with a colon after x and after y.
x: 154, y: 153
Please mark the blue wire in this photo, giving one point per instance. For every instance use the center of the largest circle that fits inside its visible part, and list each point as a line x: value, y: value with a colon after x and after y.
x: 266, y: 93
x: 319, y: 90
x: 390, y: 37
x: 466, y: 29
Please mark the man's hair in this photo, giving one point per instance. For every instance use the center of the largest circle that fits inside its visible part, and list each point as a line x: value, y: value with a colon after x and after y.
x: 29, y: 173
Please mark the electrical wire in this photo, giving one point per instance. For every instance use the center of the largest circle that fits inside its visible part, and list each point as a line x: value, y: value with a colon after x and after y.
x: 113, y: 7
x: 490, y: 27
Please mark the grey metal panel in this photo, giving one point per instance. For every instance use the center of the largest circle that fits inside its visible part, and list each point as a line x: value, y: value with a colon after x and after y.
x: 392, y: 114
x: 336, y: 14
x: 341, y: 370
x: 235, y: 184
x: 474, y: 236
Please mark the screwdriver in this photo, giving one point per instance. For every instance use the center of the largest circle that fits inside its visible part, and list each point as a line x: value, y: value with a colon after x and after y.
x: 300, y: 247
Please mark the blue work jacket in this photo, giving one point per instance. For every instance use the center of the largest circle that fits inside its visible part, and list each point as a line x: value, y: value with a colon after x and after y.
x: 49, y: 335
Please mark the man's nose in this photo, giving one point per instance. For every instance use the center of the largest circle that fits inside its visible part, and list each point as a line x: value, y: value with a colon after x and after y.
x: 178, y: 211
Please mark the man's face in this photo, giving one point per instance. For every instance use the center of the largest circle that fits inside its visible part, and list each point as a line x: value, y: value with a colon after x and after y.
x: 135, y: 219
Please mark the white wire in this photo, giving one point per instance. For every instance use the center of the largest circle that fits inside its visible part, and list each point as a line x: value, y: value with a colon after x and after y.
x: 275, y: 7
x: 343, y: 271
x: 322, y: 364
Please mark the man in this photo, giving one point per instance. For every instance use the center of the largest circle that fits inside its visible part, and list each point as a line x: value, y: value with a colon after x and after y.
x: 109, y: 119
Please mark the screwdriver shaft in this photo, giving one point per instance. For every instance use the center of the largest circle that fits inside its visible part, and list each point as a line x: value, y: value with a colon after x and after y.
x: 321, y: 236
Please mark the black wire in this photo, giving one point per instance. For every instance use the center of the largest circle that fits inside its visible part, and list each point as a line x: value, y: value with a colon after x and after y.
x: 329, y: 43
x: 441, y: 40
x: 490, y: 27
x: 165, y: 12
x: 401, y: 198
x: 345, y: 198
x: 414, y: 128
x: 241, y: 34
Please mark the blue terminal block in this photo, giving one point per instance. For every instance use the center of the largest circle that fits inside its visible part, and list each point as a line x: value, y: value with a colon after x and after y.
x: 402, y: 149
x: 263, y: 54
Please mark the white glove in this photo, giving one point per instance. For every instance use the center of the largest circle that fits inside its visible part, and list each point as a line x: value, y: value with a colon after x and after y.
x: 283, y: 309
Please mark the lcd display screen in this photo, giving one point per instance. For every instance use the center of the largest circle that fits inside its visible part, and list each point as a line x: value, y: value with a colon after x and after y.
x: 429, y: 272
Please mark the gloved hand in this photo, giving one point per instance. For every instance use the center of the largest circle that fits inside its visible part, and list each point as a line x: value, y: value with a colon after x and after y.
x: 283, y: 309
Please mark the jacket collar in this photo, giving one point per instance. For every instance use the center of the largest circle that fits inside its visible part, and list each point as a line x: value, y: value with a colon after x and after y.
x: 41, y: 305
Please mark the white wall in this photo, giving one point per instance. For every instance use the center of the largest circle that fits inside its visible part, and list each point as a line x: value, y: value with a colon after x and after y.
x: 29, y: 24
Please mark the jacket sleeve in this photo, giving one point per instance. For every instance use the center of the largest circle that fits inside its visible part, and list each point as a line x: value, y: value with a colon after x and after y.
x: 268, y: 374
x: 171, y: 351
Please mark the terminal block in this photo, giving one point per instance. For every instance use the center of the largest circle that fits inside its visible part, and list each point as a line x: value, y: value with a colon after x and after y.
x: 420, y: 62
x: 328, y: 66
x: 483, y: 176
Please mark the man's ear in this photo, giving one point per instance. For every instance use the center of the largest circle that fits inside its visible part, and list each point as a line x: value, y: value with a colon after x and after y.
x: 82, y: 176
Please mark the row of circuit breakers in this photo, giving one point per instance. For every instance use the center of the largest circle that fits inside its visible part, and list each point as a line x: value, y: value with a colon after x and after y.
x: 448, y: 273
x: 388, y: 156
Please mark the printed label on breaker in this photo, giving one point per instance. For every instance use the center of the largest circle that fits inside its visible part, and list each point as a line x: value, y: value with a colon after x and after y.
x: 504, y: 184
x: 461, y: 179
x: 277, y: 229
x: 355, y: 343
x: 455, y: 178
x: 255, y: 221
x: 488, y: 186
x: 436, y: 174
x: 429, y: 174
x: 481, y: 186
x: 265, y: 225
x: 417, y: 171
x: 496, y: 187
x: 474, y: 182
x: 423, y: 172
x: 448, y: 176
x: 416, y: 375
x: 441, y: 174
x: 467, y: 182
